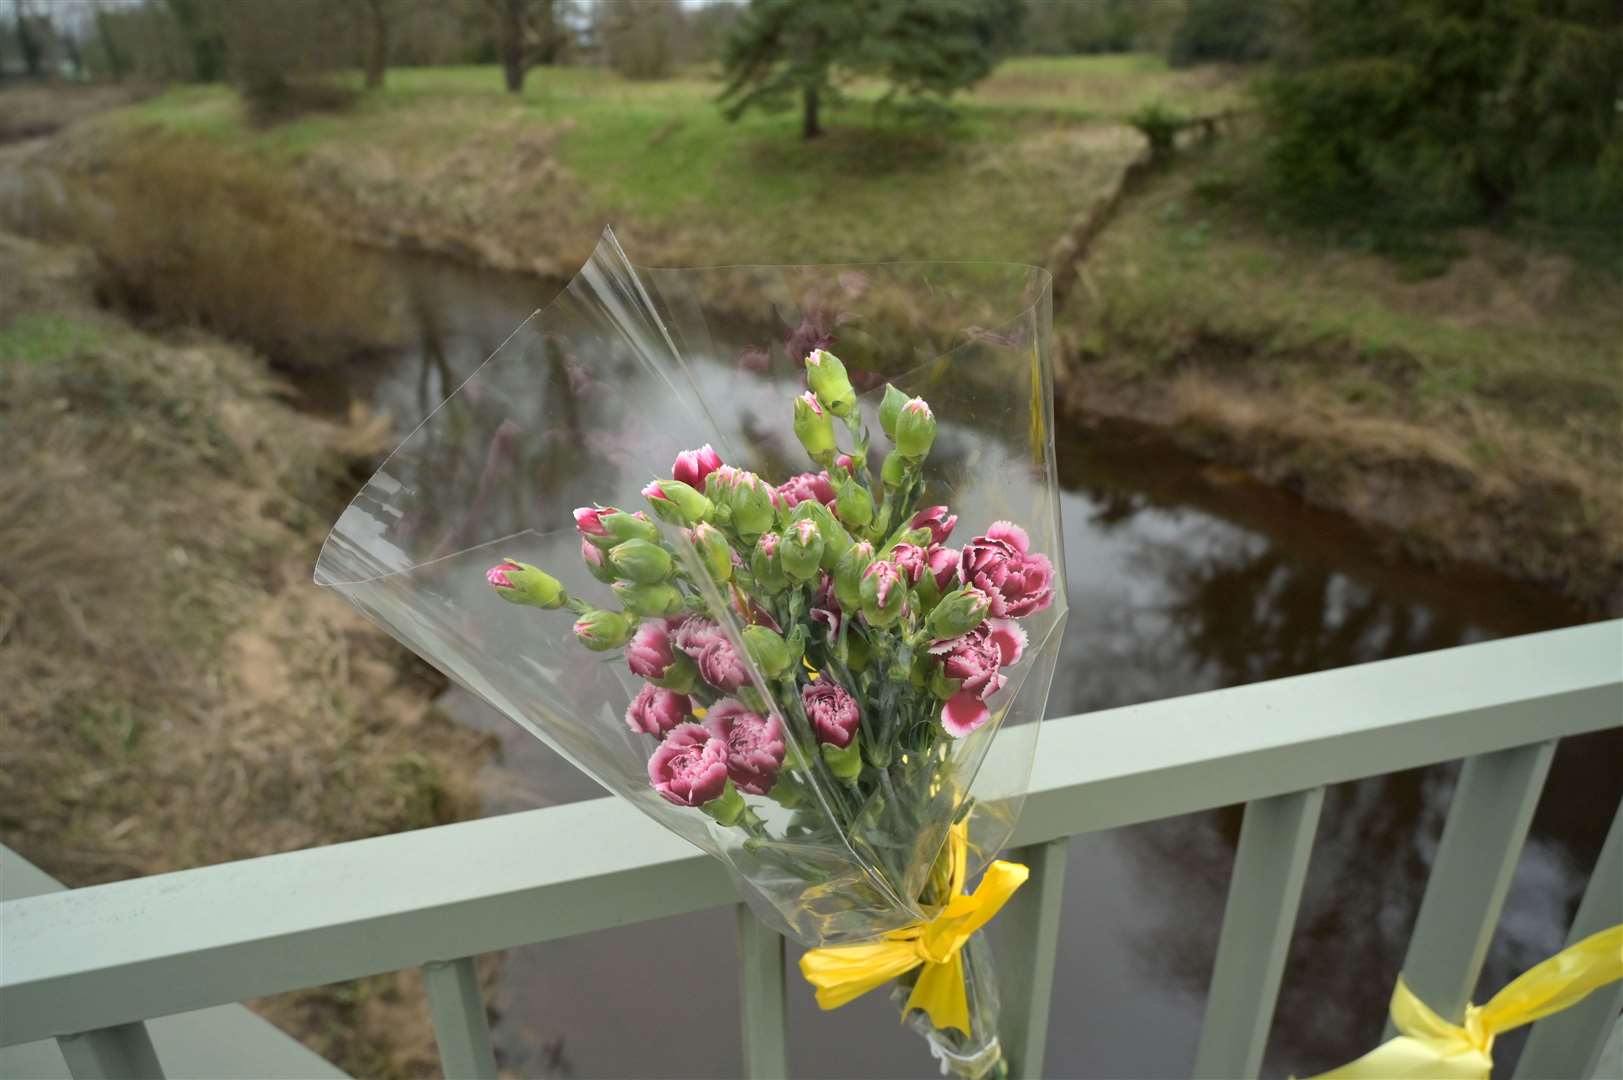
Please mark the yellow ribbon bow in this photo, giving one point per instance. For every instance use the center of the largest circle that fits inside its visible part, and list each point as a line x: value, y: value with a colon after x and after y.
x: 843, y: 973
x: 1431, y: 1048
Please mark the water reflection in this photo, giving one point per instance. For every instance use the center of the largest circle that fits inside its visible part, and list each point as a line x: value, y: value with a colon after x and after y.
x: 1183, y: 578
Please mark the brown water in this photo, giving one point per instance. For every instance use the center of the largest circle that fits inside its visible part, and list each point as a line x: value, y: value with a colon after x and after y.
x: 1183, y: 577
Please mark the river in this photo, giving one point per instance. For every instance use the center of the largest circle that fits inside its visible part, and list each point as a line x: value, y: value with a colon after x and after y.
x: 1183, y: 577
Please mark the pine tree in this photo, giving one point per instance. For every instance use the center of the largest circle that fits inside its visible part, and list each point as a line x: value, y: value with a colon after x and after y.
x: 925, y: 49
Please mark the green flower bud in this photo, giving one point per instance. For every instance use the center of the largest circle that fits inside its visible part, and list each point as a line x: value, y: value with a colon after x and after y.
x: 597, y: 563
x: 844, y: 762
x: 894, y: 471
x: 959, y: 612
x: 643, y: 561
x: 853, y: 504
x: 890, y: 407
x: 848, y: 574
x: 521, y: 583
x: 751, y: 503
x: 915, y: 430
x: 766, y: 564
x: 622, y: 526
x: 835, y: 539
x: 802, y: 550
x: 814, y: 428
x: 768, y: 649
x: 601, y: 630
x: 827, y: 378
x: 714, y: 551
x: 884, y: 594
x: 677, y: 503
x: 654, y: 601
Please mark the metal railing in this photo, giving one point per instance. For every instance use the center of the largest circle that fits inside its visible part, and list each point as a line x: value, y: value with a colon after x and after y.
x: 88, y: 966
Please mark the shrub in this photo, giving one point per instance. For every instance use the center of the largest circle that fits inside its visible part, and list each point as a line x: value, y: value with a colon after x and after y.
x: 1443, y: 111
x: 188, y: 233
x: 1235, y: 31
x: 1160, y: 125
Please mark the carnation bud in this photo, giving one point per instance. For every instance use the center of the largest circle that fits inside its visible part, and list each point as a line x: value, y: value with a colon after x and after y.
x: 677, y: 503
x: 751, y: 504
x: 521, y: 583
x: 894, y: 471
x: 959, y: 612
x: 621, y: 526
x: 814, y: 428
x: 802, y: 550
x: 768, y: 649
x: 765, y: 563
x: 643, y: 561
x: 714, y: 551
x: 653, y: 601
x: 848, y: 574
x: 915, y: 430
x: 853, y: 504
x: 835, y: 539
x: 597, y: 563
x: 884, y: 594
x: 601, y: 630
x: 889, y: 408
x: 827, y: 378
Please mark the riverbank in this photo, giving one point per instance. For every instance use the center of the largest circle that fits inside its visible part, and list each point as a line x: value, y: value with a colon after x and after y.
x: 1463, y: 409
x: 179, y: 693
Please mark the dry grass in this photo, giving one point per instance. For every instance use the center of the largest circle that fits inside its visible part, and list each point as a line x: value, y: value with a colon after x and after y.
x: 178, y: 692
x: 191, y: 233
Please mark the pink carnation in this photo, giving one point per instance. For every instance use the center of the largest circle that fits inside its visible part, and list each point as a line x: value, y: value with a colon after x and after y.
x: 798, y: 489
x: 696, y: 633
x: 943, y: 563
x: 721, y: 666
x: 974, y: 662
x: 937, y: 520
x: 1001, y: 565
x: 649, y: 653
x: 589, y: 520
x: 690, y: 767
x: 832, y: 711
x: 911, y: 560
x: 692, y: 466
x: 754, y: 745
x: 657, y: 711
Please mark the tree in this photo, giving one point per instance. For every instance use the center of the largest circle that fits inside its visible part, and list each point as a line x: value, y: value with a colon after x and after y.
x: 925, y: 49
x: 375, y: 14
x: 201, y: 27
x: 28, y: 41
x: 1447, y: 110
x: 529, y: 32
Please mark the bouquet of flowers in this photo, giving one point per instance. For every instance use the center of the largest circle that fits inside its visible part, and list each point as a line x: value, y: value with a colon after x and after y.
x: 801, y: 672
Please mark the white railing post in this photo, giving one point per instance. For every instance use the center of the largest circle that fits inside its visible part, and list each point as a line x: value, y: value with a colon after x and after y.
x: 1487, y: 824
x: 124, y: 1052
x: 1031, y: 938
x: 762, y: 1011
x: 1569, y: 1043
x: 461, y: 1027
x: 1270, y: 866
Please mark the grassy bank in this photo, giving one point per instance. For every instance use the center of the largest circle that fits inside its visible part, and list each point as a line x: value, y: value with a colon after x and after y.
x: 1465, y: 398
x: 444, y: 159
x: 178, y: 692
x: 1470, y: 404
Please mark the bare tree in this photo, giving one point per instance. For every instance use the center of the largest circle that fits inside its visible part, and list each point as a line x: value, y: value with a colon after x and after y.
x: 375, y: 14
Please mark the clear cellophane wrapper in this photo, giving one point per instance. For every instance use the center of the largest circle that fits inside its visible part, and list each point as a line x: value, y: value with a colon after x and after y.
x: 593, y: 397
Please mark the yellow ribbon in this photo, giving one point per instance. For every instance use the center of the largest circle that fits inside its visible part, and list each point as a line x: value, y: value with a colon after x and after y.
x: 1431, y: 1048
x: 843, y: 973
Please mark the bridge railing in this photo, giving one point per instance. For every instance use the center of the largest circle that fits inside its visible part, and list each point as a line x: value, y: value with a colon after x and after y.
x: 88, y: 966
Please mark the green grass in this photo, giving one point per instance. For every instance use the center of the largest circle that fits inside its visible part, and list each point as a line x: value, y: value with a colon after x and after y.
x: 1023, y: 157
x: 1192, y: 272
x: 44, y: 339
